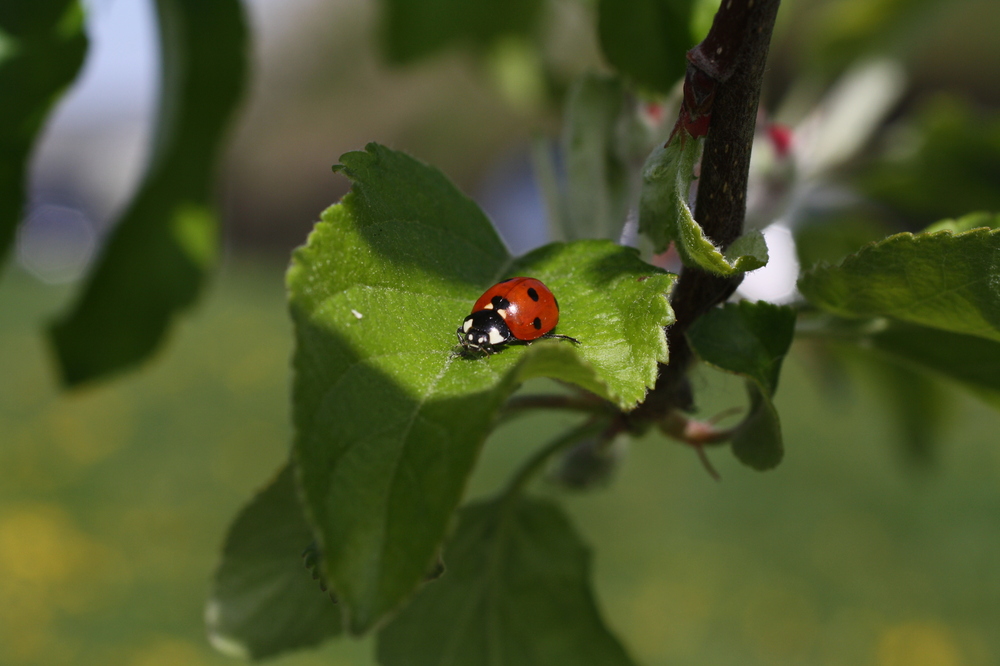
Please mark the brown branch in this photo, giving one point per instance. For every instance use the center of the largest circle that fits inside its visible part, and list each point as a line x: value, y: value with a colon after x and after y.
x: 724, y: 80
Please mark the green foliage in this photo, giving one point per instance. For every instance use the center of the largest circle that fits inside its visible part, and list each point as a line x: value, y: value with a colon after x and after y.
x: 41, y: 51
x: 390, y: 415
x: 264, y: 600
x: 830, y: 239
x: 750, y: 340
x: 413, y: 29
x: 665, y: 216
x: 598, y: 186
x: 158, y: 256
x: 933, y: 281
x: 972, y: 361
x: 516, y: 592
x: 915, y: 400
x: 389, y: 419
x: 955, y: 167
x: 978, y: 220
x: 836, y: 33
x: 941, y: 280
x: 646, y: 39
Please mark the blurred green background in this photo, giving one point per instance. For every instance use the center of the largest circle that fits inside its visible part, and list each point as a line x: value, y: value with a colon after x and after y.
x: 114, y: 500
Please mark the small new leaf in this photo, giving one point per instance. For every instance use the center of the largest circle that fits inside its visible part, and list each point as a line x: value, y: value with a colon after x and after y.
x: 264, y: 598
x: 389, y: 418
x: 944, y: 280
x: 516, y: 593
x: 750, y: 340
x: 665, y: 216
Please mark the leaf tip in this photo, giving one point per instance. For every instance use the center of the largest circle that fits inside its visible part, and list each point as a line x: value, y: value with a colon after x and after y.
x: 223, y: 643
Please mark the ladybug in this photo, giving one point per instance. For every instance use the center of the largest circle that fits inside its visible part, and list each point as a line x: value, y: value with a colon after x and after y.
x: 520, y: 309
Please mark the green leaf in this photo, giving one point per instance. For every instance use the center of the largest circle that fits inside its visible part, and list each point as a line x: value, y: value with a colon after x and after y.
x: 389, y: 419
x: 646, y: 40
x: 515, y: 592
x: 977, y: 220
x: 414, y: 29
x: 702, y: 15
x: 598, y: 189
x: 750, y: 340
x: 158, y: 256
x: 832, y: 237
x: 264, y: 600
x: 941, y: 280
x: 917, y: 403
x: 955, y: 167
x: 973, y: 362
x: 664, y: 214
x: 42, y: 45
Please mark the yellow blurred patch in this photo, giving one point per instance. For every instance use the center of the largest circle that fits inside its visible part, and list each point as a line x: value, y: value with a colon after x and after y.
x: 48, y: 566
x: 778, y: 620
x: 928, y: 643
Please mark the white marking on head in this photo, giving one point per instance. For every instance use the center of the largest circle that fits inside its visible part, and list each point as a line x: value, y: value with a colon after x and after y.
x: 467, y: 325
x: 495, y: 337
x: 502, y: 313
x: 488, y: 306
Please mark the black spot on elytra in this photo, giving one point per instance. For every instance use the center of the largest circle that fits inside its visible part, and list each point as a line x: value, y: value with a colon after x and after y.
x: 537, y: 323
x: 532, y: 294
x: 499, y: 302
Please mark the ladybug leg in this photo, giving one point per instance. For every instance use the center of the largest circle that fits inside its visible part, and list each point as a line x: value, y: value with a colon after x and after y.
x: 561, y: 337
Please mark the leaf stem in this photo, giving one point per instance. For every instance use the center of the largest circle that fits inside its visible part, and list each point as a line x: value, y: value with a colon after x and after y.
x: 589, y: 428
x: 724, y: 79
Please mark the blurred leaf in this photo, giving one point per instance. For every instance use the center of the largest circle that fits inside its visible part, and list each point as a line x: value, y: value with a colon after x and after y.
x: 389, y: 418
x: 972, y: 361
x: 516, y: 592
x: 42, y: 46
x: 966, y: 223
x: 831, y: 239
x: 598, y: 188
x: 750, y: 340
x: 157, y: 257
x: 702, y: 15
x: 955, y: 167
x: 591, y: 463
x: 836, y: 33
x: 647, y: 40
x: 665, y: 217
x: 942, y: 280
x: 414, y: 29
x: 917, y: 403
x: 264, y: 601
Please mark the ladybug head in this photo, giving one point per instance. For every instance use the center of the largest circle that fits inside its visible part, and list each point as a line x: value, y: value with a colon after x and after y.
x: 484, y: 330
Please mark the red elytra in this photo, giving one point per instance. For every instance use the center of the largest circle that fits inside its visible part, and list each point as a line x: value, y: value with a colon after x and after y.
x: 518, y: 310
x: 526, y: 305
